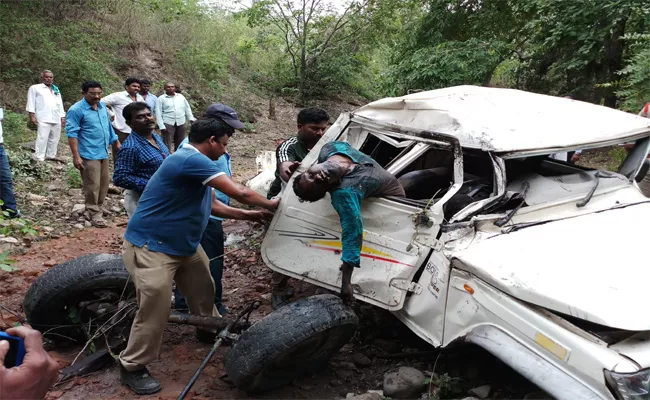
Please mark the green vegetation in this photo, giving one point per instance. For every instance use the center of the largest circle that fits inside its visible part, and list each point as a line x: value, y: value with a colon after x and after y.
x: 73, y: 177
x: 5, y: 262
x: 597, y: 51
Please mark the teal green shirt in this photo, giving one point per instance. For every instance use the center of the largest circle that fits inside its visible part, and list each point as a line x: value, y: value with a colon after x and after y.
x: 367, y: 179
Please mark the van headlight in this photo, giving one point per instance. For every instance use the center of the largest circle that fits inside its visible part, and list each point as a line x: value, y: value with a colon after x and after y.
x: 630, y: 386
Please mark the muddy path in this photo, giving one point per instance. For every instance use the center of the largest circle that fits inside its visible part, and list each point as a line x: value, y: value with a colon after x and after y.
x: 380, y: 345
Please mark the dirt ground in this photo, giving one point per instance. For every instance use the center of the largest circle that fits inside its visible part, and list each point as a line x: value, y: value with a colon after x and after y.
x: 381, y: 338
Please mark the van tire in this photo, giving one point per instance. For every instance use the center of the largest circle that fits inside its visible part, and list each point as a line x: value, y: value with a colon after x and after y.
x: 47, y: 299
x: 294, y: 341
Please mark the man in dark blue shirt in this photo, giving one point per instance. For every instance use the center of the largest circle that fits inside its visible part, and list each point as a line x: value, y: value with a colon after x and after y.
x: 161, y: 243
x: 140, y: 156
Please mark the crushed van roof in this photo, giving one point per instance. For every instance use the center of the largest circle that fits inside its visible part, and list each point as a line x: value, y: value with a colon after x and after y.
x: 508, y: 120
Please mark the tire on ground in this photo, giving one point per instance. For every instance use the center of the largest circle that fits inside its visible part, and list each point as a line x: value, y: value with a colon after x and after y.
x: 46, y: 300
x: 296, y: 340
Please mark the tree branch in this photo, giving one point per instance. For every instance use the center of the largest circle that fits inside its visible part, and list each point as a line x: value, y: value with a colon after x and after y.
x: 337, y: 27
x: 286, y: 19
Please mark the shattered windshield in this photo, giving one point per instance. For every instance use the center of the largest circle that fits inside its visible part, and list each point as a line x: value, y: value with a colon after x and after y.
x: 550, y: 177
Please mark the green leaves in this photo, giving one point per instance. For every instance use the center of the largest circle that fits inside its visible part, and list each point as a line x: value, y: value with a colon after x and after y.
x: 5, y: 262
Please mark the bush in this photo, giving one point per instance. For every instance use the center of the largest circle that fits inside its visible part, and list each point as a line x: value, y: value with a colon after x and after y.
x: 73, y: 177
x: 15, y: 130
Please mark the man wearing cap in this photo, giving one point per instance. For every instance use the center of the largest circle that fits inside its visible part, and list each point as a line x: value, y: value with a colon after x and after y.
x: 162, y: 243
x: 213, y: 238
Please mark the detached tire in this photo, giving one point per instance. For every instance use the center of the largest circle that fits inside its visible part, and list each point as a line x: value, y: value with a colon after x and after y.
x: 47, y: 301
x: 296, y: 340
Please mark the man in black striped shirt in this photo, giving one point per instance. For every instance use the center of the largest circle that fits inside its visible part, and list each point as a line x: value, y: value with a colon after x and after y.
x: 312, y: 124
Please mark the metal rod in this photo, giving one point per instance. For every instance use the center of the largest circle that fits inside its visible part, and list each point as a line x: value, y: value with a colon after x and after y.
x: 224, y: 333
x: 199, y: 320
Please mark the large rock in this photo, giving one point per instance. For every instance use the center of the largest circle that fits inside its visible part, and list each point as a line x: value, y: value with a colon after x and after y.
x: 361, y: 360
x: 482, y: 392
x: 35, y: 197
x: 365, y: 396
x: 78, y: 208
x: 404, y: 383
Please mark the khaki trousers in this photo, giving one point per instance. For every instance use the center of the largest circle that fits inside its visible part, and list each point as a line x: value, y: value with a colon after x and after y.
x: 153, y: 274
x: 95, y: 178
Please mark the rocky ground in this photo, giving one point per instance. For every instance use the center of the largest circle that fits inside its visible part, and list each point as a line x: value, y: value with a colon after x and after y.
x: 383, y: 357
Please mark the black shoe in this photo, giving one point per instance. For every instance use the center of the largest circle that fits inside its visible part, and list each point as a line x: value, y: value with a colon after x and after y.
x: 139, y: 381
x: 223, y: 310
x: 205, y: 337
x: 11, y: 214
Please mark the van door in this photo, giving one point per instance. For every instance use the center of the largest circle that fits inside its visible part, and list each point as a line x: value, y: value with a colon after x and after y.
x: 304, y: 239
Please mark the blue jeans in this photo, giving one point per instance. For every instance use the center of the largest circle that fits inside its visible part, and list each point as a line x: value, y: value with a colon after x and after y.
x: 6, y: 183
x: 212, y: 243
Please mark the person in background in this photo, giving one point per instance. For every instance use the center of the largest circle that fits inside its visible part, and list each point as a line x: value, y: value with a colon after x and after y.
x: 213, y: 238
x: 118, y: 100
x: 6, y: 182
x: 37, y: 373
x: 149, y: 98
x: 162, y: 243
x: 312, y: 124
x: 45, y: 108
x: 140, y: 155
x: 172, y: 113
x: 90, y: 134
x: 349, y: 176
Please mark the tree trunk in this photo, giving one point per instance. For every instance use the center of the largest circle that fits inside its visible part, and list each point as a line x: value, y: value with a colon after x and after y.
x: 302, y: 81
x: 272, y: 107
x: 614, y: 60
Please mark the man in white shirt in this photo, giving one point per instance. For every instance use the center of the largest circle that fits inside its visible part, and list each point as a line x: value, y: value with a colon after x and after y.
x: 172, y: 112
x: 45, y: 108
x: 118, y: 100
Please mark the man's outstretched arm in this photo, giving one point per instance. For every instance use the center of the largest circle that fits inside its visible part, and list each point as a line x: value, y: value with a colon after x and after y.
x: 241, y: 193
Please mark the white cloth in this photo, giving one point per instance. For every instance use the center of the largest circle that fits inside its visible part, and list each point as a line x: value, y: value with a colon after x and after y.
x: 118, y: 101
x: 172, y: 110
x: 47, y: 140
x: 561, y: 156
x: 47, y: 106
x: 131, y: 199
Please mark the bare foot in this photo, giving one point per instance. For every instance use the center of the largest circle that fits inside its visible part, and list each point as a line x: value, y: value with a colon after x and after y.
x: 347, y: 292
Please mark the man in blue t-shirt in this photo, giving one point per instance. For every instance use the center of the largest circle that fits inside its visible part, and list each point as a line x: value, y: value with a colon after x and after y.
x: 213, y: 238
x: 161, y: 243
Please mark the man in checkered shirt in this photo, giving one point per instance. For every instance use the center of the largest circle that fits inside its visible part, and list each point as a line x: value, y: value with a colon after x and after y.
x: 140, y: 156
